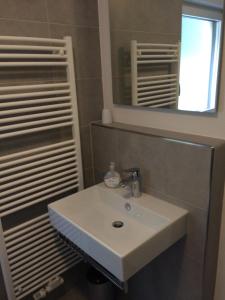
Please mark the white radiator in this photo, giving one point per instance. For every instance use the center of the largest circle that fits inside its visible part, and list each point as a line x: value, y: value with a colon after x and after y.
x: 31, y: 253
x: 158, y: 90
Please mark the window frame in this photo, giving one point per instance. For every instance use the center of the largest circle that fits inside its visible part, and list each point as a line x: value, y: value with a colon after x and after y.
x: 216, y: 17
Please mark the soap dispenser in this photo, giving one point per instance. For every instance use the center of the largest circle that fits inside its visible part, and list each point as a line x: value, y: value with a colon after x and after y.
x: 112, y: 178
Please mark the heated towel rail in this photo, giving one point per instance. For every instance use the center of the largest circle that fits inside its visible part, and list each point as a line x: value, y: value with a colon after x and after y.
x: 31, y: 253
x: 159, y: 88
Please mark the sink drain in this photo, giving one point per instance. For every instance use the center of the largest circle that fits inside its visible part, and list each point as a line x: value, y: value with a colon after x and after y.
x: 117, y: 224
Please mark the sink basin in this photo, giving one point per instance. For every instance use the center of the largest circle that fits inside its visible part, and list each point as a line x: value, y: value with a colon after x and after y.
x: 122, y: 235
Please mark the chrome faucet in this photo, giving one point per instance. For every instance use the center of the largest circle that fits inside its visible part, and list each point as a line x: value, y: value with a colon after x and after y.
x: 132, y: 181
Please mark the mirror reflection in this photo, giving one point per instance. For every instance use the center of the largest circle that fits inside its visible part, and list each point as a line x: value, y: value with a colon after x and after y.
x: 166, y: 54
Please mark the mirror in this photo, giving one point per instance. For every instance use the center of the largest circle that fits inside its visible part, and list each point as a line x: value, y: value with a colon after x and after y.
x: 166, y: 53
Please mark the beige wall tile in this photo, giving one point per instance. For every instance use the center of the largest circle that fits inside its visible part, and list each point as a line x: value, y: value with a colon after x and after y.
x: 23, y: 28
x: 24, y: 10
x: 74, y: 12
x: 90, y: 100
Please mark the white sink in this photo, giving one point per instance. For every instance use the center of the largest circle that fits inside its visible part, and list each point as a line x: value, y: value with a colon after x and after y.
x: 150, y: 227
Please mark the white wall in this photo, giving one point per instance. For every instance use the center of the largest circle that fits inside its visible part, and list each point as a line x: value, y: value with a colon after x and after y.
x: 201, y: 125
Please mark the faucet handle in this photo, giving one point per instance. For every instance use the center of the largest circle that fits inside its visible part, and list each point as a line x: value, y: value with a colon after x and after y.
x: 133, y: 173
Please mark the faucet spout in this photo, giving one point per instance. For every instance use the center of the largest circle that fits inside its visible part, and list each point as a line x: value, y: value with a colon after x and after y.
x: 133, y: 180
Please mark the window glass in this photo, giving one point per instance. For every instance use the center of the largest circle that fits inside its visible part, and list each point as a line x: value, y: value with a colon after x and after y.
x: 196, y: 63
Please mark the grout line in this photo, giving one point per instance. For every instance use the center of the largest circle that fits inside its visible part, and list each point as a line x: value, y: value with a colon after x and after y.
x: 142, y: 31
x: 48, y: 22
x: 88, y: 78
x: 23, y: 20
x: 74, y: 25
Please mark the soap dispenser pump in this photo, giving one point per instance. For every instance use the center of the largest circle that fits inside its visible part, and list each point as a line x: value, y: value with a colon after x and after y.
x: 112, y: 178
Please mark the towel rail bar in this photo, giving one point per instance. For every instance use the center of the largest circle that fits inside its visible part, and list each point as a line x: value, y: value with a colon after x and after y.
x: 31, y: 253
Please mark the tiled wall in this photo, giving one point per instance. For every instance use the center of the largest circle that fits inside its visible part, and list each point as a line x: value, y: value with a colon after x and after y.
x: 57, y: 18
x: 147, y: 21
x: 181, y: 173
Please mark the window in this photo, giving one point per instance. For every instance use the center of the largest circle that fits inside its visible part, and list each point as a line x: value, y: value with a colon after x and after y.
x: 199, y: 63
